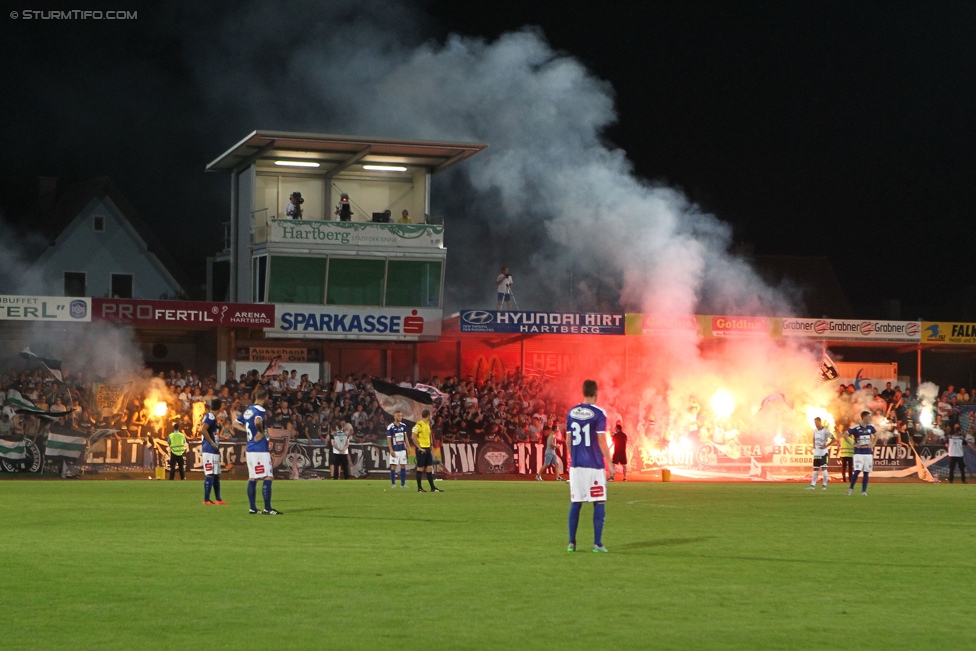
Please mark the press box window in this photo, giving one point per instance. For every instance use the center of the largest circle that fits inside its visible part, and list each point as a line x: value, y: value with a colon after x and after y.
x: 121, y: 285
x: 297, y: 280
x: 413, y: 283
x: 355, y: 281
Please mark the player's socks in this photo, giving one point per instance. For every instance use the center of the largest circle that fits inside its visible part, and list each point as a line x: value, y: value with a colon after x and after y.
x: 864, y: 483
x: 252, y: 493
x: 403, y: 477
x: 430, y: 480
x: 599, y: 516
x: 825, y: 479
x: 216, y: 487
x: 207, y: 484
x: 854, y: 478
x: 393, y: 476
x: 420, y: 480
x: 574, y: 515
x: 266, y: 493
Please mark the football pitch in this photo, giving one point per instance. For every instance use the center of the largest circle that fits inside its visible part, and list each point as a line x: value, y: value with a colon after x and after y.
x: 483, y: 565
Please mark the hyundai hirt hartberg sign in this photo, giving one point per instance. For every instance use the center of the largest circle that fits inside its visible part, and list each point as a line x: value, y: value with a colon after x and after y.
x: 553, y: 323
x: 327, y: 322
x: 853, y: 329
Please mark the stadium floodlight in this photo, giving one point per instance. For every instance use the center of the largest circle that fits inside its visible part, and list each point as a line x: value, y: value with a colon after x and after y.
x: 384, y: 168
x: 296, y: 163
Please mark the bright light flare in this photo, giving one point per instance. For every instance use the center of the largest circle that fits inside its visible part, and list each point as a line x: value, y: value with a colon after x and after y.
x: 926, y: 418
x: 819, y: 412
x: 159, y: 410
x: 779, y: 440
x: 722, y: 403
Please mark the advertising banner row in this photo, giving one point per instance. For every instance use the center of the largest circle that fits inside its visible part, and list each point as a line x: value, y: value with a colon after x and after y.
x: 305, y: 459
x: 406, y: 324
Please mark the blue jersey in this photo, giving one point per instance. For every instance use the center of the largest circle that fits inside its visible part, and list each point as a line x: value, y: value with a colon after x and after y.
x: 862, y: 438
x: 584, y: 425
x: 397, y: 435
x: 247, y: 419
x: 210, y: 425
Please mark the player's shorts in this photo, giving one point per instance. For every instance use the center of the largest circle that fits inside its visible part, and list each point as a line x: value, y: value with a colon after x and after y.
x: 820, y: 462
x: 424, y: 458
x: 620, y: 456
x: 864, y: 462
x: 549, y: 459
x: 504, y: 298
x: 259, y: 465
x: 587, y: 485
x: 211, y: 463
x: 398, y: 458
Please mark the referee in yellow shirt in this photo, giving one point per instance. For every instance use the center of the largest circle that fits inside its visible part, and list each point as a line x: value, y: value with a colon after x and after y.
x: 421, y: 438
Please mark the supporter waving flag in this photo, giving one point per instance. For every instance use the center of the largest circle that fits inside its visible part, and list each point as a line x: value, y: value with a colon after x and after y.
x: 393, y: 398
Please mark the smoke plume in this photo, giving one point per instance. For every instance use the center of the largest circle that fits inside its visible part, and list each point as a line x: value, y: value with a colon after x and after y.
x: 550, y: 198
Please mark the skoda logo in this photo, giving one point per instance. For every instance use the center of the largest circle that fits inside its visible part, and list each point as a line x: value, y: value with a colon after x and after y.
x: 478, y: 317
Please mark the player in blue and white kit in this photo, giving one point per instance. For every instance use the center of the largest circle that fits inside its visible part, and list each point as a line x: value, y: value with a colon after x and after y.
x: 586, y: 428
x: 211, y: 454
x: 257, y: 452
x: 396, y: 440
x: 863, y: 436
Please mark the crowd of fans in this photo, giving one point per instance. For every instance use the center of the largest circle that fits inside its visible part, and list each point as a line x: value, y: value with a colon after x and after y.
x: 900, y: 413
x: 510, y: 409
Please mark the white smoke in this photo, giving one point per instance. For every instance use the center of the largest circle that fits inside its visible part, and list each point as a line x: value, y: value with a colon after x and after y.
x: 17, y: 252
x: 550, y: 197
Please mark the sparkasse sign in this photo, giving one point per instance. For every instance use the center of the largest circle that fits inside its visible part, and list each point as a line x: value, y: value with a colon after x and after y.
x: 329, y: 322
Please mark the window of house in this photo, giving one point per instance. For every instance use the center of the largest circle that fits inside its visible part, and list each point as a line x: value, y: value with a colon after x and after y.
x: 75, y: 283
x: 413, y: 283
x: 297, y: 280
x: 355, y: 281
x: 98, y: 223
x: 121, y: 286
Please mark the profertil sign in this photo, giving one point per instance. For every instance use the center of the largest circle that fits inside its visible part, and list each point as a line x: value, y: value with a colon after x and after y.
x: 852, y: 329
x: 182, y: 314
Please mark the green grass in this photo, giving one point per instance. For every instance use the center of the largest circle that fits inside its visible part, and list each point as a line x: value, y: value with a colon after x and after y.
x: 139, y: 564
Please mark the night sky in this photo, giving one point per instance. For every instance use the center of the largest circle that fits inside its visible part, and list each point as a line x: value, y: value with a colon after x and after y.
x: 813, y: 128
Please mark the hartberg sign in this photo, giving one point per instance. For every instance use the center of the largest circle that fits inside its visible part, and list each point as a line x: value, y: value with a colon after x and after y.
x: 327, y: 322
x: 290, y: 231
x: 553, y: 323
x: 852, y: 329
x: 45, y: 308
x: 183, y: 313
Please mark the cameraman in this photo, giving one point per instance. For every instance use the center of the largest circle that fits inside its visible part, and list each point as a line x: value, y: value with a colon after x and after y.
x: 504, y: 284
x: 344, y: 209
x: 293, y: 209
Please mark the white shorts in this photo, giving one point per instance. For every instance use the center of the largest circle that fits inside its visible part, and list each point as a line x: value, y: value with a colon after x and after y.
x: 211, y: 463
x: 587, y: 485
x: 864, y: 462
x: 259, y: 465
x: 398, y: 458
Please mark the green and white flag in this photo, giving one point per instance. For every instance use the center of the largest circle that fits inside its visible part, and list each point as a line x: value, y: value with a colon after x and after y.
x: 13, y: 450
x: 62, y: 445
